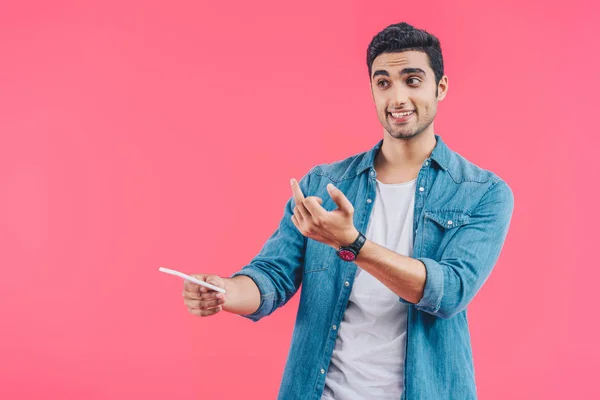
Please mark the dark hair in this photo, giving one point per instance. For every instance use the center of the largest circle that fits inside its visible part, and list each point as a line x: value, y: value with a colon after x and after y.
x: 403, y: 37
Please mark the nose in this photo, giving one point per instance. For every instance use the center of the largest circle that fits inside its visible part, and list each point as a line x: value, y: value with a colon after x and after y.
x: 399, y: 97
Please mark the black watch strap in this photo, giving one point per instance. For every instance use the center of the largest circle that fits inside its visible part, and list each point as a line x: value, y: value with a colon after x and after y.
x: 358, y: 243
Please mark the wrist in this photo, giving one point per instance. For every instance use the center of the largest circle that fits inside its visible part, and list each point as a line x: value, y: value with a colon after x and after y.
x: 348, y: 238
x: 228, y: 284
x: 350, y: 251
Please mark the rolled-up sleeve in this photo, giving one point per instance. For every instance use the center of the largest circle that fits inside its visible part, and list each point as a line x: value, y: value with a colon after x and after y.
x: 277, y: 269
x: 468, y: 260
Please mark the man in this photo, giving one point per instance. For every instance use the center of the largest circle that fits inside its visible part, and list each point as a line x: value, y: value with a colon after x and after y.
x: 390, y: 246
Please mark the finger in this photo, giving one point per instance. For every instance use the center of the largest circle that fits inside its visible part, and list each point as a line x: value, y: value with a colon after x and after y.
x: 216, y: 281
x: 338, y: 197
x: 194, y: 287
x: 194, y: 311
x: 296, y: 191
x: 313, y: 206
x: 192, y: 304
x: 191, y: 295
x: 301, y: 212
x: 212, y: 295
x: 207, y: 305
x: 204, y: 296
x: 202, y: 304
x: 207, y: 313
x: 190, y: 286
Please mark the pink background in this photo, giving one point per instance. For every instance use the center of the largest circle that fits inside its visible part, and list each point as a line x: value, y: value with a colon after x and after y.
x: 135, y: 135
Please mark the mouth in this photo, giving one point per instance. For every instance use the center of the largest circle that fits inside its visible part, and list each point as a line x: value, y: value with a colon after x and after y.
x: 401, y: 116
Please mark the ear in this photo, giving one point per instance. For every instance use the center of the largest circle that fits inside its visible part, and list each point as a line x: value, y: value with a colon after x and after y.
x: 442, y: 88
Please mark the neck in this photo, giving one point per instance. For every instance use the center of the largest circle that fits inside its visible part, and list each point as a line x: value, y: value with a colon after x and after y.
x: 401, y: 159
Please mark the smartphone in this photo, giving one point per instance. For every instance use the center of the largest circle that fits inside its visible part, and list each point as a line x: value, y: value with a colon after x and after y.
x: 191, y: 279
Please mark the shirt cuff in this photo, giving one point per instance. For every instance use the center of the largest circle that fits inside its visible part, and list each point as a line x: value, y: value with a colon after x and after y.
x: 434, y: 287
x: 266, y: 289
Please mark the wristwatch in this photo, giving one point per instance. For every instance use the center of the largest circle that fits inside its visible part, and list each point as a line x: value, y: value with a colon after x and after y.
x: 350, y: 252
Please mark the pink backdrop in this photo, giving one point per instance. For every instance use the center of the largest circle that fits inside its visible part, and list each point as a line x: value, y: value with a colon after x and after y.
x: 135, y: 135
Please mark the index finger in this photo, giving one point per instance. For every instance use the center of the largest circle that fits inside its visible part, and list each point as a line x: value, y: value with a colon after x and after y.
x: 201, y: 296
x: 191, y: 286
x: 296, y: 191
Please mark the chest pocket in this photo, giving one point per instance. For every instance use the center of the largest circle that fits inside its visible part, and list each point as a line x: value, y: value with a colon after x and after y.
x: 319, y: 257
x: 439, y: 227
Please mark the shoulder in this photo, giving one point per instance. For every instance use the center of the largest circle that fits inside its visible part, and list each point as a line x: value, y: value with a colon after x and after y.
x: 461, y: 170
x: 342, y: 169
x: 481, y: 182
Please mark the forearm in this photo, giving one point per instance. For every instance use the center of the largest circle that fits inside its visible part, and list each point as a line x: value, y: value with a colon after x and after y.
x: 404, y: 276
x: 242, y: 297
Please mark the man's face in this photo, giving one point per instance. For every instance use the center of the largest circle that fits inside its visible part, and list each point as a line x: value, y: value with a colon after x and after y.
x: 404, y: 83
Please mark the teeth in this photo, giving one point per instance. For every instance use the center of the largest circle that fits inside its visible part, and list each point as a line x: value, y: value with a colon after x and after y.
x: 400, y: 115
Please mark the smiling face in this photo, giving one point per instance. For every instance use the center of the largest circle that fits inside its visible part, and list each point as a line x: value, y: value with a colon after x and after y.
x: 405, y: 93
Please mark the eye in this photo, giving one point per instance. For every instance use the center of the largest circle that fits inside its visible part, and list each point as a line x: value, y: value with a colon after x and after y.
x: 379, y: 83
x: 417, y: 81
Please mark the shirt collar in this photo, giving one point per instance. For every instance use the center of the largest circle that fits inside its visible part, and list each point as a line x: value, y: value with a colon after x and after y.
x: 440, y: 154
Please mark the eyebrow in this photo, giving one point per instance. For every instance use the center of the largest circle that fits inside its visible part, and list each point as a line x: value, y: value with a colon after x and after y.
x: 405, y: 71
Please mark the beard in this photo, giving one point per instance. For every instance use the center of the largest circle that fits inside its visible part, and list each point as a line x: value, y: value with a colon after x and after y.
x: 408, y: 131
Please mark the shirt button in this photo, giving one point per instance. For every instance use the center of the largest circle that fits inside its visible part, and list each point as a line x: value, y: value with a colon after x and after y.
x: 421, y: 189
x: 449, y: 222
x: 322, y: 371
x: 334, y: 327
x: 426, y: 163
x: 369, y: 200
x: 346, y: 283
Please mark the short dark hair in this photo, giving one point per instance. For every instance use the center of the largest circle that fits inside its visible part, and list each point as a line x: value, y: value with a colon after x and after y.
x: 403, y: 37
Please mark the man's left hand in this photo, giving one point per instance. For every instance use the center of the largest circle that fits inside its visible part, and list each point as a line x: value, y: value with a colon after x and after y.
x: 334, y: 228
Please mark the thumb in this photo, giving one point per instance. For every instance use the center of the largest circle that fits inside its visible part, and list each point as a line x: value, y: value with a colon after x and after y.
x: 214, y: 280
x: 338, y: 197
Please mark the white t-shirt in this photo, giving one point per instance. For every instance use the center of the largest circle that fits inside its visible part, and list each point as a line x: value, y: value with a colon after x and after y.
x: 368, y: 359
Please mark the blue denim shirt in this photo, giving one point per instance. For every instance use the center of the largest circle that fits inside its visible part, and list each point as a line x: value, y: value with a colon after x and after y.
x: 461, y: 218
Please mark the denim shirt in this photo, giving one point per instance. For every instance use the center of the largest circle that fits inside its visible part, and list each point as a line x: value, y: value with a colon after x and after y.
x: 461, y: 218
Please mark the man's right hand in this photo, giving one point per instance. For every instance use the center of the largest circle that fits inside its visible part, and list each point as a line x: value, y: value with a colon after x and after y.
x: 202, y: 301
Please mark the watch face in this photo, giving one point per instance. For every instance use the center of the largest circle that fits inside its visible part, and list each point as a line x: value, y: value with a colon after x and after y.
x: 346, y: 255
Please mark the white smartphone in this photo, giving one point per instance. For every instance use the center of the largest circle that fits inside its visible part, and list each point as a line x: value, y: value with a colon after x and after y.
x: 191, y: 279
